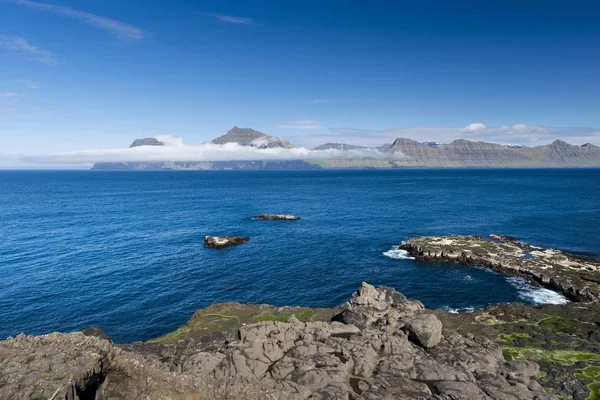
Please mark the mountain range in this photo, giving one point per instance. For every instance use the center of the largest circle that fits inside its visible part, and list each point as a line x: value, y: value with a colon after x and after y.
x: 402, y: 152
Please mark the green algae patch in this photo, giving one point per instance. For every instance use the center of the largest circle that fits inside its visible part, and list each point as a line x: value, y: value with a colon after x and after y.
x: 591, y: 373
x: 509, y: 338
x: 594, y: 391
x: 559, y: 325
x: 563, y: 357
x: 229, y: 317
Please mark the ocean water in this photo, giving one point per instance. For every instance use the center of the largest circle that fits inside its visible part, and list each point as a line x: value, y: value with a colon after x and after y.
x: 123, y: 250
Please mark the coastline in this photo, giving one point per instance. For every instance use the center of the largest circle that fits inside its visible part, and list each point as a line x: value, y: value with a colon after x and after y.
x: 526, y: 351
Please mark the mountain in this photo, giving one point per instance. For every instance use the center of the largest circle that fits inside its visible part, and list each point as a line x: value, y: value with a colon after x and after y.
x: 465, y: 153
x: 402, y: 153
x: 251, y: 137
x: 146, y: 142
x: 338, y: 146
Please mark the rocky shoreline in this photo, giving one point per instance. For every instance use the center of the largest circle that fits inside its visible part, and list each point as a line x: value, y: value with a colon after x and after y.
x: 378, y: 345
x: 576, y: 277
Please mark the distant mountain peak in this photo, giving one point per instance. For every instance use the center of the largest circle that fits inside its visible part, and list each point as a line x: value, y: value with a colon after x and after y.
x: 146, y: 142
x: 560, y: 143
x: 251, y: 137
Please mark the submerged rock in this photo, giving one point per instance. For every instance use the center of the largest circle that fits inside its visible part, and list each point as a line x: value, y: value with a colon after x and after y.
x: 219, y: 242
x: 277, y: 217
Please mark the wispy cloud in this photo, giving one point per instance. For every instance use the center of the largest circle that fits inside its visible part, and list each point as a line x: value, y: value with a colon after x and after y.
x: 31, y: 85
x: 305, y: 124
x: 116, y: 28
x: 22, y: 46
x: 6, y: 95
x: 230, y: 19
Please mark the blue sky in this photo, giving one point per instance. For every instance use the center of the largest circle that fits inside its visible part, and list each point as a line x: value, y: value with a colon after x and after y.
x: 96, y: 74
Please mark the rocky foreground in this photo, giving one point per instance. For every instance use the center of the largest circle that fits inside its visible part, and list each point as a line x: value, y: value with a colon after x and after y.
x: 379, y: 345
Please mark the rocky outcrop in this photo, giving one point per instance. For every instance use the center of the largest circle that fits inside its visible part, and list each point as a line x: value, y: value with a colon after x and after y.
x: 219, y: 242
x: 277, y: 217
x: 561, y: 339
x: 373, y: 358
x: 576, y: 277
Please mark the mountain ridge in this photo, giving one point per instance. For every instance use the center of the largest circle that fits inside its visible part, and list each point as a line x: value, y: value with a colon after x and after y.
x: 403, y: 153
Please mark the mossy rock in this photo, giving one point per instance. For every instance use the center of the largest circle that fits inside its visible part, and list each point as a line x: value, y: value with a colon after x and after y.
x: 510, y: 338
x: 563, y: 357
x: 560, y: 325
x: 591, y: 373
x: 229, y: 317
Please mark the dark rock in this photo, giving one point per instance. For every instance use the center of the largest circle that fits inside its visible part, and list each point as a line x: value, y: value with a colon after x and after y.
x: 277, y: 217
x: 96, y: 332
x: 219, y: 242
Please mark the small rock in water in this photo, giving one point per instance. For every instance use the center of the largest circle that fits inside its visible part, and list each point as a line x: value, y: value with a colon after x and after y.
x: 219, y: 242
x: 277, y: 217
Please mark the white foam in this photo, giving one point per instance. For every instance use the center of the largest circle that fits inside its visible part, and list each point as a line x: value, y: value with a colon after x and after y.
x: 451, y: 310
x: 397, y: 254
x: 535, y: 294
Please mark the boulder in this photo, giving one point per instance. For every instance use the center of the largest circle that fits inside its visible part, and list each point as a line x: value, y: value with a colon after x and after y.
x: 424, y: 330
x: 219, y: 242
x: 277, y: 217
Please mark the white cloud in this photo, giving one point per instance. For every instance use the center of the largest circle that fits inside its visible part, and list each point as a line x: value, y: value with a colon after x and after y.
x: 22, y: 46
x: 307, y: 124
x: 231, y: 19
x: 9, y: 95
x: 170, y: 140
x: 475, y: 127
x: 176, y: 150
x: 116, y: 28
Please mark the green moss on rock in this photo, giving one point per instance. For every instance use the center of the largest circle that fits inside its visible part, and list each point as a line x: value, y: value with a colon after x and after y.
x: 509, y: 338
x: 229, y: 317
x: 559, y: 325
x: 563, y: 357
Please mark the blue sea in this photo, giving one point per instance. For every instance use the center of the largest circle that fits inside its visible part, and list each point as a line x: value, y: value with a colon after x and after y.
x: 124, y: 250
